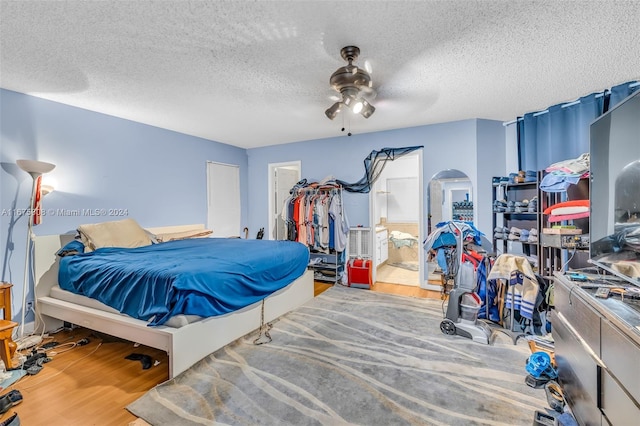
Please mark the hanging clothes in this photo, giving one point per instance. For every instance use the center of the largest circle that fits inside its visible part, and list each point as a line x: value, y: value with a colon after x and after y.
x: 488, y: 292
x: 341, y: 225
x: 315, y: 213
x: 523, y: 285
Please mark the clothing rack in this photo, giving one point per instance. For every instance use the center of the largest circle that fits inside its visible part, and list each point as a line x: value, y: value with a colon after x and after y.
x: 316, y: 218
x: 511, y: 331
x: 504, y: 271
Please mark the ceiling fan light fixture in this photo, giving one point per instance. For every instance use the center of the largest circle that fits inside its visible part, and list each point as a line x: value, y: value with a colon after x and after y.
x: 367, y: 109
x: 333, y: 110
x: 357, y: 106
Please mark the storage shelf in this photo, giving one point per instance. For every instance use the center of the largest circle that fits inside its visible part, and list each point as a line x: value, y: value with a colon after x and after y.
x: 508, y: 185
x: 521, y: 213
x: 526, y: 220
x: 327, y: 262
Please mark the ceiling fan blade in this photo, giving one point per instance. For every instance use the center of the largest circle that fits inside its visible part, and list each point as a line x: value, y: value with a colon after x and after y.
x: 367, y: 65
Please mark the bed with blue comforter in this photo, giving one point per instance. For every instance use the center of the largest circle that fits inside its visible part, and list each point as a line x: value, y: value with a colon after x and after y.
x: 204, y: 276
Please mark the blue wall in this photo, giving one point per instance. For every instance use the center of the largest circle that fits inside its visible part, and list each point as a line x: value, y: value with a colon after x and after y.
x: 446, y: 146
x: 492, y: 160
x: 102, y: 162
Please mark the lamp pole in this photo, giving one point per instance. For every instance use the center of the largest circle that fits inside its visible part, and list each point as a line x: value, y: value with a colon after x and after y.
x: 35, y: 169
x: 27, y: 254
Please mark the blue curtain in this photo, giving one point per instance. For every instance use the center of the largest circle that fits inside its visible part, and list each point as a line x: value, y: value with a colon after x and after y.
x: 620, y: 92
x: 557, y: 135
x: 562, y: 132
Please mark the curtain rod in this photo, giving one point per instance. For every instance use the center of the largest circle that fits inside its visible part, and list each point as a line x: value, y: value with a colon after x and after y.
x: 507, y: 123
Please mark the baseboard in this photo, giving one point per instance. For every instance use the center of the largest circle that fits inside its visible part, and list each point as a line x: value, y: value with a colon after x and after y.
x: 431, y: 287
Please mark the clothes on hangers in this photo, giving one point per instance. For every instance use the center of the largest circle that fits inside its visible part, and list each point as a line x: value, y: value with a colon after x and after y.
x: 314, y: 215
x: 519, y: 274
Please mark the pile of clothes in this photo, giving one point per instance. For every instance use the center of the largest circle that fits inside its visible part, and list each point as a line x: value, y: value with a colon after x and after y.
x: 522, y: 206
x: 565, y: 173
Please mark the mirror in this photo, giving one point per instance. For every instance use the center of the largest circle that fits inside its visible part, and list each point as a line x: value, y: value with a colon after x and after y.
x: 449, y: 197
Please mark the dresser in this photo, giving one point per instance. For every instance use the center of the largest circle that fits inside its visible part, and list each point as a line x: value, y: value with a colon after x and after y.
x: 597, y: 350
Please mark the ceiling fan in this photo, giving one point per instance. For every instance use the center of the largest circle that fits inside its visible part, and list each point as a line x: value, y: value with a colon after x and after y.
x: 353, y: 83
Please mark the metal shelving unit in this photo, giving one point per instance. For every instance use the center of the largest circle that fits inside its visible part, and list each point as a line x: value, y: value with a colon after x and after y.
x: 329, y: 267
x: 512, y: 193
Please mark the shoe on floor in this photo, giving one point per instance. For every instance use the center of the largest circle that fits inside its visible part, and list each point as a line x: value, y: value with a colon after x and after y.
x: 555, y: 397
x: 10, y: 399
x: 13, y: 420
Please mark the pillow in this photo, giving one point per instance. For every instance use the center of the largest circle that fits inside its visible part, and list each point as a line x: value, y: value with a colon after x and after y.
x: 557, y: 211
x: 120, y: 233
x: 183, y: 235
x: 71, y: 248
x: 570, y: 203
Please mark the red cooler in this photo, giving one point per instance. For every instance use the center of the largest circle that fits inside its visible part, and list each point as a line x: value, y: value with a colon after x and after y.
x: 359, y: 273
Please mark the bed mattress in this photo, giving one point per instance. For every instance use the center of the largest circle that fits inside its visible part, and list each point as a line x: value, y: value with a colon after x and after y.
x: 176, y: 321
x: 204, y: 277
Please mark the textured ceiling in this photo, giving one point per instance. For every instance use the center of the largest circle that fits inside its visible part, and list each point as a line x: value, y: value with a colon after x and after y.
x: 257, y: 73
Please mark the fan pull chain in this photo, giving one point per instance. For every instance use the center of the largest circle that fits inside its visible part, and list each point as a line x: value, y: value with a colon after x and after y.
x: 348, y: 124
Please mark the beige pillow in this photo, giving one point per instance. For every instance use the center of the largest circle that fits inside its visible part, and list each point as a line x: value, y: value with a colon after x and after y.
x: 120, y: 233
x: 172, y: 236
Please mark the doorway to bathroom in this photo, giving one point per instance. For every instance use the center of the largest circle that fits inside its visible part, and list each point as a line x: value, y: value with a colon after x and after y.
x: 396, y: 216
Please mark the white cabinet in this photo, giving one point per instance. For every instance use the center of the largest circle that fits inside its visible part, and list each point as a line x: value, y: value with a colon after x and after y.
x: 382, y: 246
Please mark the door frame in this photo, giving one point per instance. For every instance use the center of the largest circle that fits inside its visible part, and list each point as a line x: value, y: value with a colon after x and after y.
x: 272, y: 190
x: 421, y: 215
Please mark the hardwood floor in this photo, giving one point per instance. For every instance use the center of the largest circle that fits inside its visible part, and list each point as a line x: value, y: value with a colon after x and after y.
x: 399, y: 289
x: 87, y: 385
x: 92, y: 384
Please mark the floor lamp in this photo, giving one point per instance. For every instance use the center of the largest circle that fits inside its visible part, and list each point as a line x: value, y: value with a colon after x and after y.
x: 35, y: 169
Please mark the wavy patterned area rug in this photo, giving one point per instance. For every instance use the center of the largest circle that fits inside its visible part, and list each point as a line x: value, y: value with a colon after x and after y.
x: 352, y: 356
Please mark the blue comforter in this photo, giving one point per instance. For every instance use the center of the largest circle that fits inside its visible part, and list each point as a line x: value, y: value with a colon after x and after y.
x: 204, y: 276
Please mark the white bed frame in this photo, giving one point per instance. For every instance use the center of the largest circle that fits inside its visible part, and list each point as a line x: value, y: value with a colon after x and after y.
x: 185, y: 345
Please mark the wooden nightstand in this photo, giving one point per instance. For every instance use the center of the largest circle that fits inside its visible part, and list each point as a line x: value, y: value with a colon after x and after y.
x: 5, y: 299
x: 7, y: 345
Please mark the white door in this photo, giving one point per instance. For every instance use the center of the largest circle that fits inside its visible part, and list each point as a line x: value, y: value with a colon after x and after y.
x: 282, y: 177
x: 223, y: 199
